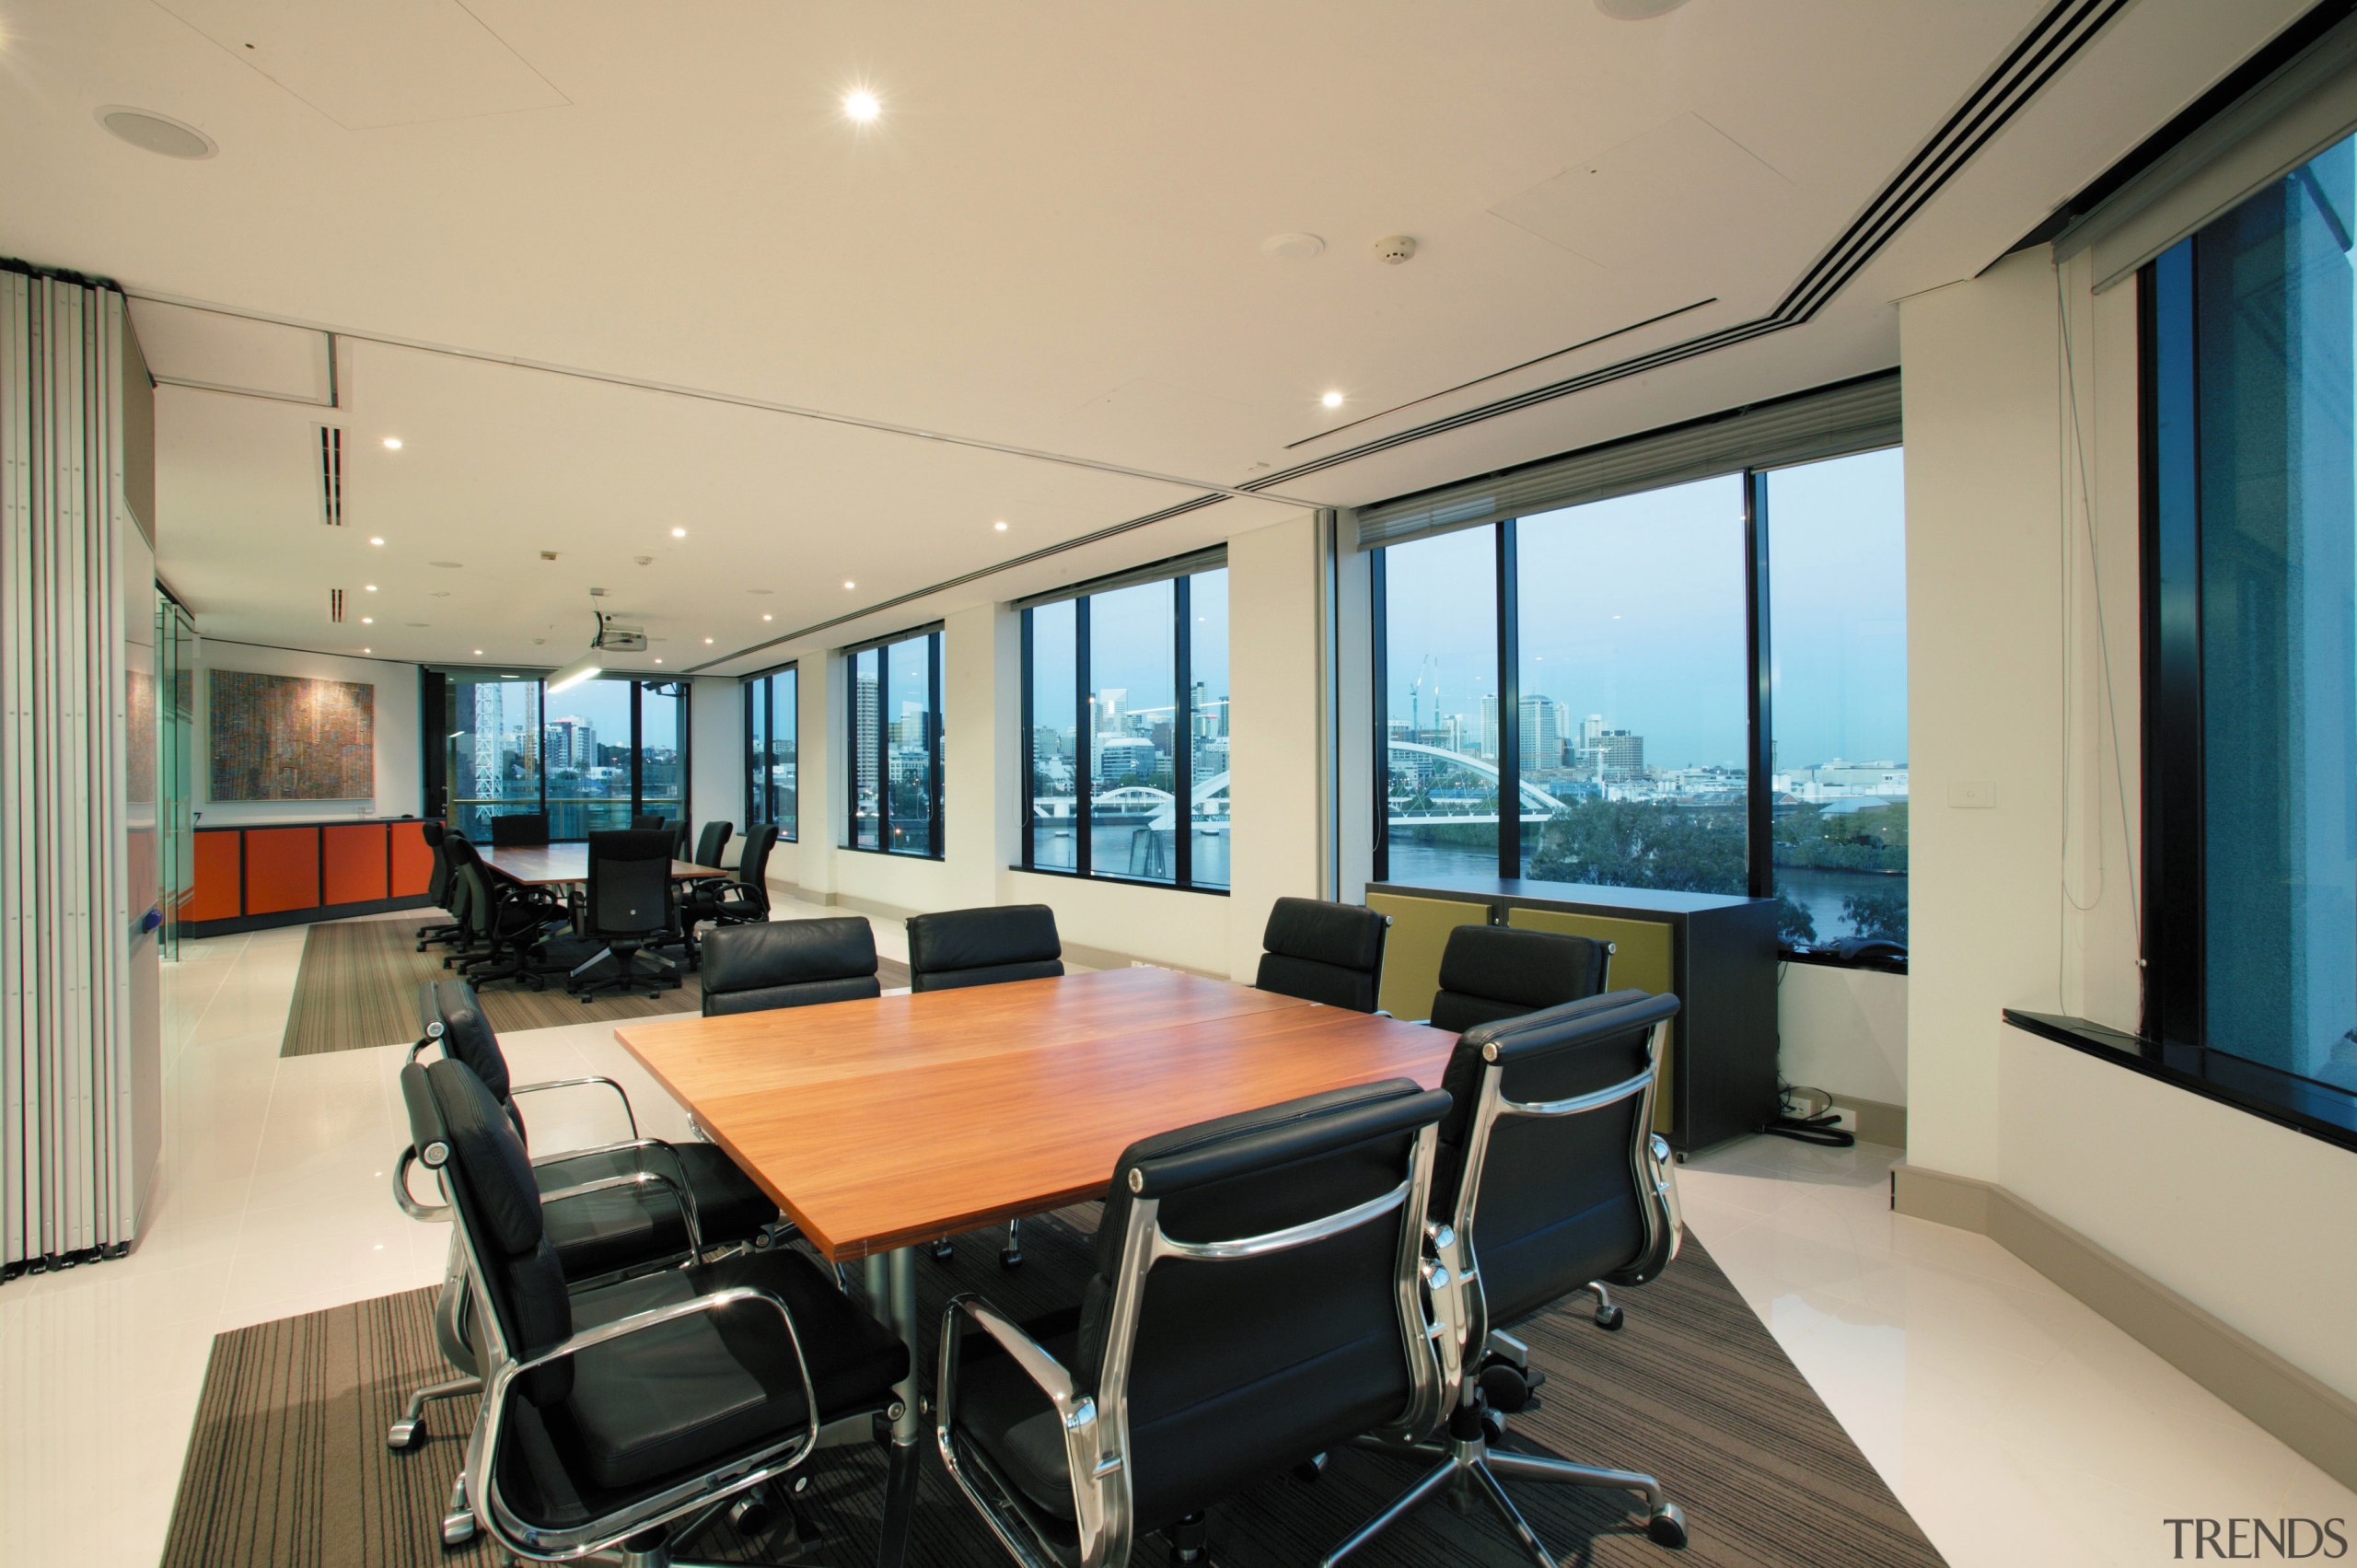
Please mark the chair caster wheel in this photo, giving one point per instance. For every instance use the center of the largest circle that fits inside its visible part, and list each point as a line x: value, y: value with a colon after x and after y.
x: 405, y: 1434
x: 1610, y: 1318
x: 1667, y: 1526
x: 944, y: 1249
x: 457, y: 1528
x: 1310, y: 1469
x: 751, y: 1513
x: 1493, y: 1428
x: 1010, y: 1257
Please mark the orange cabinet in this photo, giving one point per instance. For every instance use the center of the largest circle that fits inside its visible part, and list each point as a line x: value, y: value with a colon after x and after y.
x: 282, y: 869
x: 353, y: 868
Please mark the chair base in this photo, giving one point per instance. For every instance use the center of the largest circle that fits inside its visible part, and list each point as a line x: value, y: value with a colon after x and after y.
x: 1470, y: 1465
x: 661, y: 975
x: 405, y: 1432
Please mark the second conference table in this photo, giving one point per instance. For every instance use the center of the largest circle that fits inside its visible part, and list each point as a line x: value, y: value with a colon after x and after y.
x: 545, y: 865
x: 877, y: 1125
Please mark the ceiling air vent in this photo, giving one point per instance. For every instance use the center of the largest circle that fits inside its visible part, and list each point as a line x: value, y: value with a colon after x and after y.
x: 332, y: 476
x: 335, y: 607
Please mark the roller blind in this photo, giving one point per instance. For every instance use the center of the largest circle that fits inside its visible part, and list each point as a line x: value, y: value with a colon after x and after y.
x: 1856, y: 416
x: 1210, y: 560
x: 2289, y: 118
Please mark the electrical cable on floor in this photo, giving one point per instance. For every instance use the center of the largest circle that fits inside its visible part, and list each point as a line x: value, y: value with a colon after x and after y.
x: 1816, y: 1122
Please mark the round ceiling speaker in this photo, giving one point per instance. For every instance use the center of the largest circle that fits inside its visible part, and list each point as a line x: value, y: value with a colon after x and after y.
x: 1292, y: 247
x: 154, y: 133
x: 1637, y: 10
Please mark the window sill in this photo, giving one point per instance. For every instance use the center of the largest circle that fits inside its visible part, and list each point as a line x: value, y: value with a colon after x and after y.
x: 1117, y: 881
x: 2302, y: 1105
x: 1835, y: 961
x: 892, y: 854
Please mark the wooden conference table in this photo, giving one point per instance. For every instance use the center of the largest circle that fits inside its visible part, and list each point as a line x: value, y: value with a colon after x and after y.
x: 881, y: 1124
x: 543, y: 866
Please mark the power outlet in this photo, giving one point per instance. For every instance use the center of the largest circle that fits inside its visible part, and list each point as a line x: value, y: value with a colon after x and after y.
x: 1972, y: 795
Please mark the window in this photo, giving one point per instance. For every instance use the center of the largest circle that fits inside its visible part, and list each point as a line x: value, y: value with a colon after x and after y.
x: 592, y: 756
x: 2250, y: 769
x: 894, y: 744
x: 1601, y: 666
x: 1126, y: 717
x: 1836, y: 596
x: 772, y: 710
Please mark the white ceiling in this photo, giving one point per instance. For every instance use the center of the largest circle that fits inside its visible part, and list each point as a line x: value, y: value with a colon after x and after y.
x: 1050, y: 240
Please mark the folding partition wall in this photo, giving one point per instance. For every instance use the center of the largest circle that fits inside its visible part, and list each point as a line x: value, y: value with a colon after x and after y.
x: 78, y: 1069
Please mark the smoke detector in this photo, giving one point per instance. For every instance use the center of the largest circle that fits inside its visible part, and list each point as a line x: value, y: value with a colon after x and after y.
x: 1392, y: 250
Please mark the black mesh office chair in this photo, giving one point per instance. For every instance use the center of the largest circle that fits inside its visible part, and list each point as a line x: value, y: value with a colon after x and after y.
x: 614, y: 1208
x: 519, y: 830
x: 788, y: 963
x: 1488, y: 973
x: 1549, y: 1182
x: 637, y: 1411
x: 502, y: 922
x: 1255, y: 1302
x: 984, y: 946
x: 440, y: 891
x: 625, y: 907
x: 731, y: 900
x: 1322, y: 952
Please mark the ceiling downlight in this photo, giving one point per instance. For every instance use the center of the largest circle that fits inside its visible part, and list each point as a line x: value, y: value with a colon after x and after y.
x: 154, y: 133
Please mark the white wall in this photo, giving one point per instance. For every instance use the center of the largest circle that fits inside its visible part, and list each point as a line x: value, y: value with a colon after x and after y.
x: 717, y: 752
x: 2031, y: 903
x: 401, y: 780
x: 1843, y: 1030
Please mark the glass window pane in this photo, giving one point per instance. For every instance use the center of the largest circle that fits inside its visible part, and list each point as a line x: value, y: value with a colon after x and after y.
x: 1441, y: 697
x: 1634, y: 722
x: 2274, y: 316
x: 1207, y: 742
x: 493, y: 741
x: 585, y: 744
x: 1134, y: 723
x: 1837, y: 621
x: 785, y: 719
x: 758, y: 806
x: 662, y: 758
x: 866, y: 696
x: 1055, y: 737
x: 909, y: 743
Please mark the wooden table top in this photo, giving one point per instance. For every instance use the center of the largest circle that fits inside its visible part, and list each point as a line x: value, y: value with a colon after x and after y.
x: 541, y: 865
x: 882, y: 1124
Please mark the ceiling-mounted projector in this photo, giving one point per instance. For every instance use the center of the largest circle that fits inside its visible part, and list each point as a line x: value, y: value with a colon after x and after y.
x: 617, y: 638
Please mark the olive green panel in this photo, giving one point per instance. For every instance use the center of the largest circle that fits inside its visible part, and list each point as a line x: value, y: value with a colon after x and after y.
x: 1419, y: 929
x: 1641, y: 958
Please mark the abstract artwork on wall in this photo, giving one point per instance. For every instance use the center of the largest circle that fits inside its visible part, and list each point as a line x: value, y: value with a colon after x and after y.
x: 292, y: 737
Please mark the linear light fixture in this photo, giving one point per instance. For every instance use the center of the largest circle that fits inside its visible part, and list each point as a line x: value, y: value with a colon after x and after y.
x: 586, y: 668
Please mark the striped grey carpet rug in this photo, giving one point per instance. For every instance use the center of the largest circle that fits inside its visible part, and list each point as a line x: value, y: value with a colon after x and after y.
x: 357, y: 989
x: 287, y: 1464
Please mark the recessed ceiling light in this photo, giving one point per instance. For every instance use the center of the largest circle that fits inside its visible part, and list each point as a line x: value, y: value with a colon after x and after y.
x: 1292, y: 247
x: 367, y: 650
x: 679, y: 533
x: 766, y: 616
x: 154, y: 133
x: 372, y: 587
x: 367, y: 621
x: 1000, y: 527
x: 849, y: 584
x: 376, y: 541
x: 862, y: 106
x: 478, y: 652
x: 707, y: 642
x: 658, y: 659
x: 1332, y: 400
x: 393, y: 443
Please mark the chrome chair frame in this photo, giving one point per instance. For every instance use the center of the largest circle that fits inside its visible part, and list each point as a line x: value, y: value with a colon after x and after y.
x: 706, y: 1498
x: 1461, y: 1321
x: 1096, y: 1424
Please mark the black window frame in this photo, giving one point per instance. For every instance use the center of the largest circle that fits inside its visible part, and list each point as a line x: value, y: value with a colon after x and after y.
x: 1759, y: 849
x: 1183, y: 749
x: 2170, y: 1043
x: 761, y: 687
x: 880, y: 746
x: 437, y: 683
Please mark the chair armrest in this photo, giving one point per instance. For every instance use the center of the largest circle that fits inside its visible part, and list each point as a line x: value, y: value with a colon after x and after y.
x: 520, y: 1090
x: 408, y: 1200
x: 1662, y: 1168
x: 640, y: 1177
x: 1086, y: 1462
x: 735, y: 1476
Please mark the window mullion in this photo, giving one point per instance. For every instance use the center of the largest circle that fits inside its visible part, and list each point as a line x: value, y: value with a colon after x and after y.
x: 1182, y: 738
x: 1760, y: 793
x: 1509, y: 707
x: 1083, y: 762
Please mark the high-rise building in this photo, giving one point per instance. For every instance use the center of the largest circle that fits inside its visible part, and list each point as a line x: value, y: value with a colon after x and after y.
x: 1618, y: 751
x: 863, y: 706
x: 1542, y: 742
x: 1490, y: 729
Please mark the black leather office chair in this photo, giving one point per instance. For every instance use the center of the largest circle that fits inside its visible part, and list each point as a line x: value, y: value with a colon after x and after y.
x: 502, y: 922
x: 519, y: 830
x: 625, y: 906
x: 712, y: 842
x: 984, y: 946
x: 788, y: 963
x: 440, y: 891
x: 1488, y: 973
x: 647, y: 821
x: 1322, y: 952
x: 1549, y: 1182
x: 1255, y: 1301
x: 729, y: 900
x: 639, y: 1410
x: 614, y: 1208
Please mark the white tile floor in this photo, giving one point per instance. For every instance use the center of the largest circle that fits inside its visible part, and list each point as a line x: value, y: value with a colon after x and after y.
x: 2015, y: 1424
